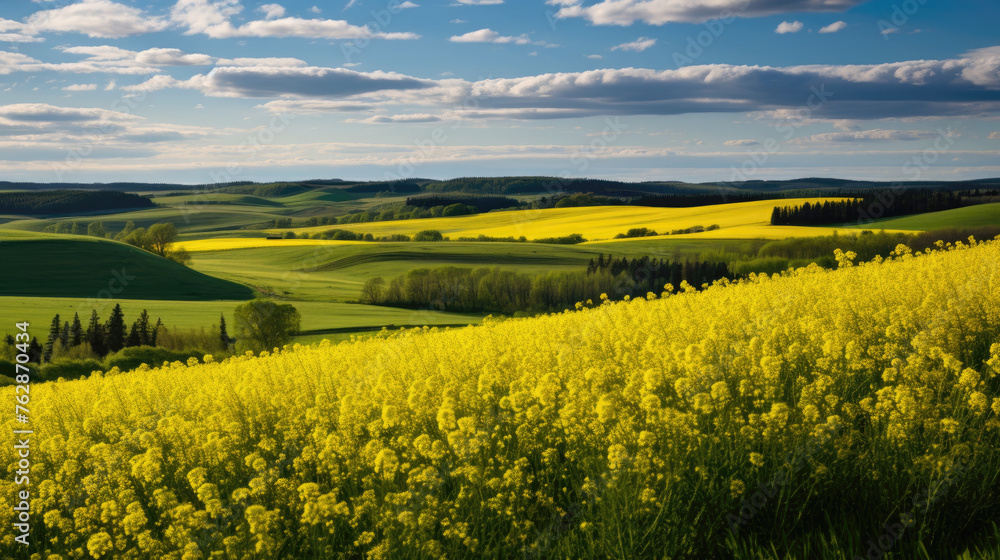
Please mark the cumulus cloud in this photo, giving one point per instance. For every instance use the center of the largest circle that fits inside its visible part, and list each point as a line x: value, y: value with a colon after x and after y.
x: 639, y: 45
x: 95, y: 18
x: 832, y: 93
x: 278, y: 81
x: 788, y: 27
x: 994, y: 136
x: 489, y: 36
x: 659, y: 12
x: 81, y: 87
x: 19, y: 38
x: 479, y: 2
x: 212, y: 18
x: 46, y: 124
x: 272, y: 11
x: 833, y: 27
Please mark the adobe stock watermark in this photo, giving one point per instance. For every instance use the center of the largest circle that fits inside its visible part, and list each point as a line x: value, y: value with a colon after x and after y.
x: 758, y: 158
x: 892, y: 533
x: 901, y: 14
x: 379, y: 21
x: 749, y: 508
x: 249, y: 147
x: 914, y: 169
x: 77, y: 154
x: 697, y: 44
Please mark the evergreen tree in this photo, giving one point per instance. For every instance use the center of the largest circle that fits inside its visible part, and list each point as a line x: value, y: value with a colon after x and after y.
x: 134, y: 338
x: 35, y: 351
x: 64, y: 336
x: 156, y: 331
x: 54, y: 329
x: 223, y: 335
x: 116, y: 329
x: 76, y: 331
x: 95, y: 335
x: 145, y: 332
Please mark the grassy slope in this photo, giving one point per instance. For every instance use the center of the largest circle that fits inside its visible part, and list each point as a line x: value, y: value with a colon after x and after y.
x: 970, y: 216
x: 78, y: 266
x: 337, y: 270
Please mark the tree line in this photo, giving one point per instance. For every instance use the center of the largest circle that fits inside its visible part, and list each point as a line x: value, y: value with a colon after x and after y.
x: 506, y: 291
x: 877, y: 204
x: 482, y: 203
x: 69, y: 201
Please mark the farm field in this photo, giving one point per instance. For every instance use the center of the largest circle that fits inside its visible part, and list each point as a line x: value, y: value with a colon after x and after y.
x: 336, y: 270
x: 81, y: 266
x: 736, y: 220
x: 970, y: 216
x: 635, y: 429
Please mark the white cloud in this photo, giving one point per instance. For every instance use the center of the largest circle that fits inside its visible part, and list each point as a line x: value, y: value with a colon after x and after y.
x: 350, y: 5
x: 407, y: 5
x: 912, y: 89
x: 594, y: 56
x: 315, y: 10
x: 479, y: 2
x: 994, y: 136
x: 81, y: 87
x: 212, y: 18
x: 834, y: 27
x: 44, y: 123
x: 741, y: 142
x: 659, y: 12
x: 95, y: 18
x: 19, y: 38
x: 639, y: 45
x: 459, y: 21
x: 110, y: 86
x: 277, y: 81
x: 788, y: 27
x: 272, y: 11
x: 489, y: 36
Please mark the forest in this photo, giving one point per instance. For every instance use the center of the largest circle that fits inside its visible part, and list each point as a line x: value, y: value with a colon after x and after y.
x: 67, y: 201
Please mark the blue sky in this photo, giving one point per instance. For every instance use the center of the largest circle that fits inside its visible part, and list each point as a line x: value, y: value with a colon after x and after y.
x: 200, y: 91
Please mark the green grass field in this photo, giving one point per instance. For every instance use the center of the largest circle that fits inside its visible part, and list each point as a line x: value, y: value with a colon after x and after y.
x: 79, y: 266
x: 336, y: 272
x: 319, y: 319
x: 970, y: 216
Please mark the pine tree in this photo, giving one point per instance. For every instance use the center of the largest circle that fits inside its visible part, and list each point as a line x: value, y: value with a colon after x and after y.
x: 223, y: 335
x: 116, y: 329
x: 35, y: 351
x: 95, y: 335
x: 156, y: 331
x: 134, y: 338
x: 54, y: 329
x: 145, y: 335
x: 64, y: 336
x: 76, y: 331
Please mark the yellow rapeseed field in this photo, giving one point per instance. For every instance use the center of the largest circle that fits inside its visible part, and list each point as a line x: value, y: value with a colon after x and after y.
x: 737, y: 221
x: 640, y: 429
